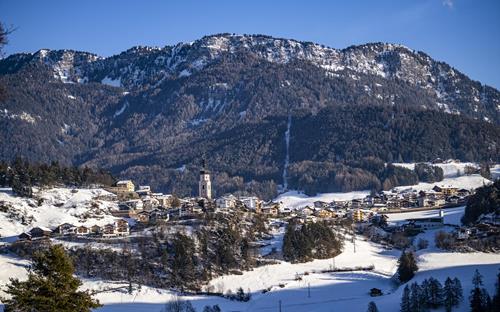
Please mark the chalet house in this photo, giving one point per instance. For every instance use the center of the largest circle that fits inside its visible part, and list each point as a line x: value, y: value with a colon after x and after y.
x: 463, y: 193
x: 379, y: 199
x: 95, y: 229
x: 447, y: 191
x: 307, y: 211
x: 394, y: 203
x: 144, y: 190
x: 135, y: 204
x: 226, y: 202
x: 355, y: 203
x: 124, y: 211
x: 126, y: 185
x: 108, y: 230
x: 82, y: 230
x: 66, y: 229
x: 149, y: 203
x: 40, y: 231
x: 157, y: 215
x: 271, y: 210
x: 430, y: 199
x: 163, y: 200
x: 325, y: 214
x: 122, y: 228
x: 285, y: 211
x: 425, y: 223
x: 24, y: 236
x: 250, y: 202
x: 143, y: 217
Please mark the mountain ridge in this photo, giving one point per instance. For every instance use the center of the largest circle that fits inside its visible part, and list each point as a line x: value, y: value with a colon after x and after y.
x: 150, y: 110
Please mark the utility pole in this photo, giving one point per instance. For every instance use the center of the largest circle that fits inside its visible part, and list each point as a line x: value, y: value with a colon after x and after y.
x: 354, y: 242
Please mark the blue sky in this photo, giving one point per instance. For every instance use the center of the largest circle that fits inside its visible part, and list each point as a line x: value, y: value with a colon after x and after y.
x: 463, y: 33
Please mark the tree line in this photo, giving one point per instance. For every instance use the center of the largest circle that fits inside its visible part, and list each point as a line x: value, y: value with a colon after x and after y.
x: 22, y: 175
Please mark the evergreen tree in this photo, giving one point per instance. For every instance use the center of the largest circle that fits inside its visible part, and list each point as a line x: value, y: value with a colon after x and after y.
x: 434, y: 293
x: 372, y: 307
x: 51, y: 286
x: 452, y: 293
x: 458, y: 290
x: 407, y: 266
x: 183, y: 263
x: 496, y: 297
x: 214, y: 308
x: 480, y: 300
x: 405, y: 300
x: 416, y: 302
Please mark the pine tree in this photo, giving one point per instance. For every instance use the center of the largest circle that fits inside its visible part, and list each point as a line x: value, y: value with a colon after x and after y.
x: 434, y: 293
x: 183, y: 265
x: 452, y: 293
x: 405, y: 300
x: 416, y: 302
x: 50, y: 287
x: 480, y: 300
x: 496, y: 298
x: 407, y: 266
x: 425, y: 294
x: 372, y: 307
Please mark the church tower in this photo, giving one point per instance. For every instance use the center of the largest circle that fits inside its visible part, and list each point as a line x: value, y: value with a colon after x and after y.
x: 205, y: 185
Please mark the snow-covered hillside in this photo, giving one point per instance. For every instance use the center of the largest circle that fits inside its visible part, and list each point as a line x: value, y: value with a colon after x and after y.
x: 53, y: 207
x: 451, y: 169
x: 295, y: 199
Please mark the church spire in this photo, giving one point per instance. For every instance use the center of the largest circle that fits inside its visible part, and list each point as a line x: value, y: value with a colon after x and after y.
x: 205, y: 185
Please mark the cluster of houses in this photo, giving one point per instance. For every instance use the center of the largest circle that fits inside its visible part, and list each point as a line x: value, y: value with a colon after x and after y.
x: 143, y: 207
x: 118, y: 228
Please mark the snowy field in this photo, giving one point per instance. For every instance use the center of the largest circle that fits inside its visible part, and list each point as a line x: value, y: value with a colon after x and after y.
x: 328, y: 291
x: 472, y: 181
x: 295, y: 199
x: 59, y: 205
x: 450, y: 169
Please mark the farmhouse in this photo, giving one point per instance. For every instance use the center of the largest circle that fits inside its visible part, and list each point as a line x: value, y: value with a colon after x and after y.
x: 82, y: 230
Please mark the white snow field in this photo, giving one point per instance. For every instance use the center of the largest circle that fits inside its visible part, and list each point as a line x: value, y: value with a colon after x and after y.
x: 450, y: 169
x: 328, y: 291
x: 59, y: 205
x: 296, y: 200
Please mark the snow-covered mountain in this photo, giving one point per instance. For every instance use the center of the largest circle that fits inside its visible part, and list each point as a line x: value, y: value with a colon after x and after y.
x: 141, y: 68
x: 251, y: 104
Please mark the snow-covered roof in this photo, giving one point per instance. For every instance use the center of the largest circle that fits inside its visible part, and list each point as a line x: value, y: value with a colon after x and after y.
x: 124, y: 182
